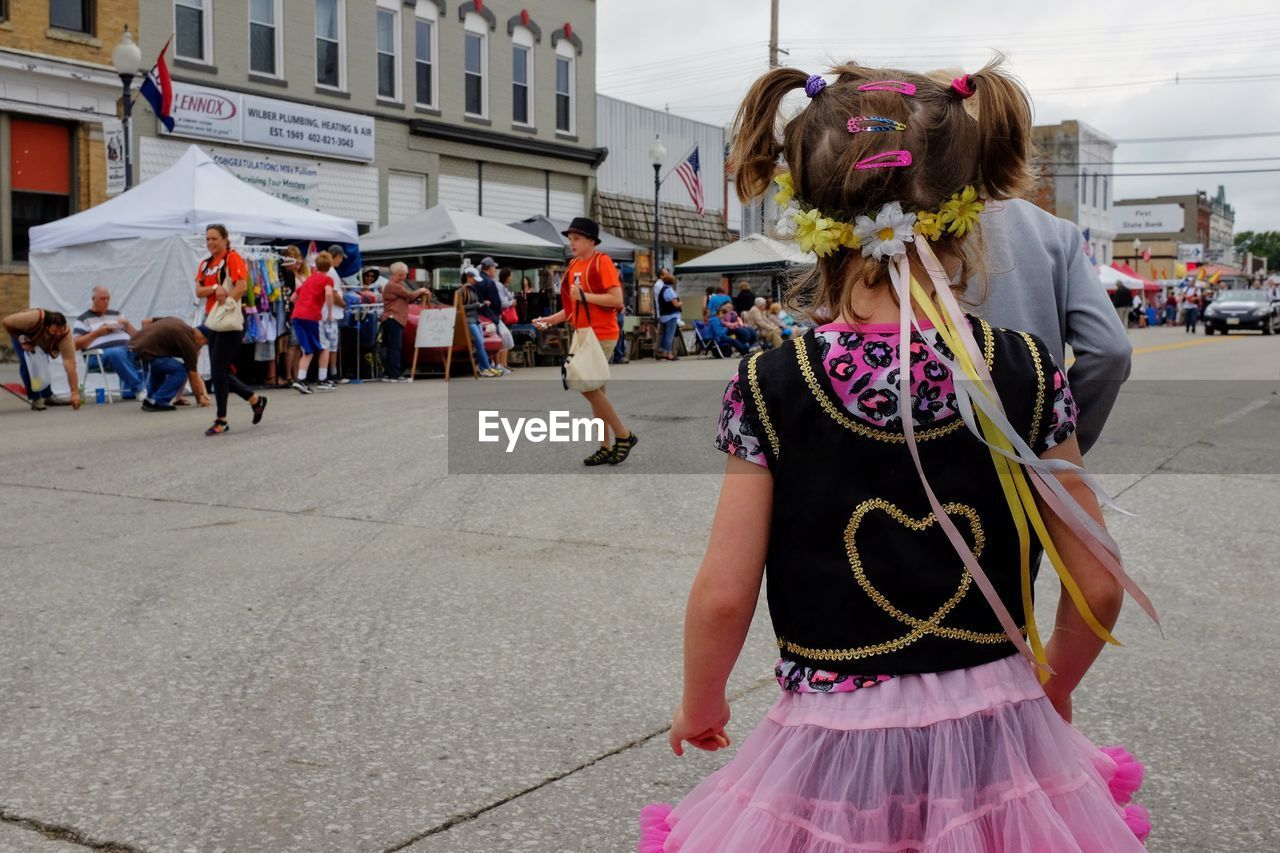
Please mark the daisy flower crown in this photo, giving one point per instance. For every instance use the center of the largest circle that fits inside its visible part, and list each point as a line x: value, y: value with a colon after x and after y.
x: 881, y: 235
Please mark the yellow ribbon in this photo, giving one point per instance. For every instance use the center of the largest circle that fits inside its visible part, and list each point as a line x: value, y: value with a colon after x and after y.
x: 1017, y: 493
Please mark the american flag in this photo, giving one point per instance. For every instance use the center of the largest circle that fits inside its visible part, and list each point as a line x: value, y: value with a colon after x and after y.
x: 690, y: 172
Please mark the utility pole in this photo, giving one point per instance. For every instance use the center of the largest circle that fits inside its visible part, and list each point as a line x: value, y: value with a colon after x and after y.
x: 773, y: 33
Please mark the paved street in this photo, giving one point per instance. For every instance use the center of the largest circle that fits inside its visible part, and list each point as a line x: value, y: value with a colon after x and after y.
x: 310, y: 636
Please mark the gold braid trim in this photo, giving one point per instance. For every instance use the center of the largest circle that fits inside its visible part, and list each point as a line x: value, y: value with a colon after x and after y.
x: 754, y: 381
x: 1039, y: 416
x: 839, y: 415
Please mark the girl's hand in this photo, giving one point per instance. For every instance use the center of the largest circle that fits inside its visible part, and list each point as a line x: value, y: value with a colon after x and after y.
x: 220, y: 293
x: 704, y: 731
x: 576, y: 293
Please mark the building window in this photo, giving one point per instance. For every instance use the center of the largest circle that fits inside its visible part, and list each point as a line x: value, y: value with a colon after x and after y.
x: 475, y: 61
x: 264, y: 37
x: 40, y: 183
x: 1106, y: 193
x: 73, y: 15
x: 331, y: 28
x: 388, y: 49
x: 191, y: 30
x: 521, y: 66
x: 424, y: 57
x: 565, y: 87
x: 1084, y: 188
x: 4, y: 10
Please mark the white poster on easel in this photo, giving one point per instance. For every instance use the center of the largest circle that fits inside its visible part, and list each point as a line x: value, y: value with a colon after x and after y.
x: 435, y: 328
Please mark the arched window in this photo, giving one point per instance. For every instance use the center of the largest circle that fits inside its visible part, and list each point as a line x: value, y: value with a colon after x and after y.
x: 566, y: 87
x: 475, y: 65
x: 426, y: 31
x: 522, y: 77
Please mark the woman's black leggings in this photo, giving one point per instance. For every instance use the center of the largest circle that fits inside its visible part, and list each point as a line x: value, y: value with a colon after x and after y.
x: 223, y: 347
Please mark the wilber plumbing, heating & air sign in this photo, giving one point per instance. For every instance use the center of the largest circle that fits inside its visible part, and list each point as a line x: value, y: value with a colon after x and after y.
x: 224, y: 116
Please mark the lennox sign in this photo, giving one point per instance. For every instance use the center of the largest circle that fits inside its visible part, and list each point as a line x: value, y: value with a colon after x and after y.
x: 207, y: 113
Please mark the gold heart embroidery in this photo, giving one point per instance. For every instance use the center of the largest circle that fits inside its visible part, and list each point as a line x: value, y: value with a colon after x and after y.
x: 933, y: 624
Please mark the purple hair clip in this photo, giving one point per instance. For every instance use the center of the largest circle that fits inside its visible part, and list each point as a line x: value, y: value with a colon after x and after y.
x: 889, y: 86
x: 963, y: 87
x: 814, y: 85
x: 885, y: 160
x: 874, y: 124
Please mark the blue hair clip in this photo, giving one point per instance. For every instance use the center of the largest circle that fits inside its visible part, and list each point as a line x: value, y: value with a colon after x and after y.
x: 874, y: 124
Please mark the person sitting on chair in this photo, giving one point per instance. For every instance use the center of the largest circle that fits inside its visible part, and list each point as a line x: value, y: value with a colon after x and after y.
x: 720, y: 332
x: 759, y: 319
x: 105, y: 329
x: 737, y: 329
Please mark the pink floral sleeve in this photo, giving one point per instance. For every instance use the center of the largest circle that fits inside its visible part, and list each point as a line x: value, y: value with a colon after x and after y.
x: 1062, y: 417
x: 738, y: 434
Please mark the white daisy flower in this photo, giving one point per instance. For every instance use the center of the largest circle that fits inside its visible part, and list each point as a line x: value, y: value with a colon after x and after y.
x: 786, y: 227
x: 888, y: 235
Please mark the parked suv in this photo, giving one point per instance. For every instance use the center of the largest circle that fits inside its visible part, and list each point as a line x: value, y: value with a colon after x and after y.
x: 1242, y: 309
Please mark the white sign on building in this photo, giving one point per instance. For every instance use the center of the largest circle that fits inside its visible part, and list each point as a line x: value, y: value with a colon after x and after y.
x: 1148, y: 218
x: 268, y: 123
x: 1191, y: 253
x: 280, y: 124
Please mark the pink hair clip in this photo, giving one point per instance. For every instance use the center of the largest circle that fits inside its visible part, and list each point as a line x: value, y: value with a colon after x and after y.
x: 889, y: 86
x: 963, y: 87
x: 885, y: 160
x: 874, y: 124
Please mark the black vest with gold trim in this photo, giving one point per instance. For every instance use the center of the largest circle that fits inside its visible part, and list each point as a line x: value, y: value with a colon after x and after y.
x: 860, y: 577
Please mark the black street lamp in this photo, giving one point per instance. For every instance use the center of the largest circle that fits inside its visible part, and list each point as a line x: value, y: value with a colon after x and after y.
x: 127, y: 59
x: 657, y: 153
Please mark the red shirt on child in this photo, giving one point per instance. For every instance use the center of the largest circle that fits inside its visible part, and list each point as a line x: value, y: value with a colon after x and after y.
x: 309, y: 299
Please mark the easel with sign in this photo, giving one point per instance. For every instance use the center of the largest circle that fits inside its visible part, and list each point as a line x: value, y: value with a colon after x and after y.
x: 444, y: 328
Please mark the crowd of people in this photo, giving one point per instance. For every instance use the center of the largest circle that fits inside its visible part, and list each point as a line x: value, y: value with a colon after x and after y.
x: 1184, y: 305
x: 745, y: 321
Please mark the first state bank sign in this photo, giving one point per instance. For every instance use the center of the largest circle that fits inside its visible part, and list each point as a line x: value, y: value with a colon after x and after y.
x: 269, y: 123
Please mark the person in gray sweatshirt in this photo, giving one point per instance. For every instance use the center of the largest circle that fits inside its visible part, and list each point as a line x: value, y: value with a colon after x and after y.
x: 1038, y: 279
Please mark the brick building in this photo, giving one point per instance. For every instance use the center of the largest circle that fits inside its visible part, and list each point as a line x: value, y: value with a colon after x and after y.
x: 377, y: 109
x: 58, y: 95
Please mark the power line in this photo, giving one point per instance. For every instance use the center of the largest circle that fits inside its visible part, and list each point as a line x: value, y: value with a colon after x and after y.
x: 1159, y: 162
x: 1255, y: 135
x: 1161, y: 174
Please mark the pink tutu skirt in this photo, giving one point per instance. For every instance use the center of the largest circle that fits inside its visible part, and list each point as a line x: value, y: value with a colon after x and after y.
x: 967, y: 761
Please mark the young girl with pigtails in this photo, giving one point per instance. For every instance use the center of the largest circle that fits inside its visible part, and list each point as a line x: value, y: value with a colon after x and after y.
x: 898, y: 473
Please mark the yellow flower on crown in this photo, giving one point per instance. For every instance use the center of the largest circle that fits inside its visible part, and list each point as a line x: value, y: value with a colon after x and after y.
x: 960, y: 214
x: 846, y: 237
x: 927, y: 225
x: 786, y: 189
x: 816, y: 233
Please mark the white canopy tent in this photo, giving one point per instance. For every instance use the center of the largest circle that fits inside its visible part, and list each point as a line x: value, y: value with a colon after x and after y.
x: 754, y: 253
x: 144, y: 244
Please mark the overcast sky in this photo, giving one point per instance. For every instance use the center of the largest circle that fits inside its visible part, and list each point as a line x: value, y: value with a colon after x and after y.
x: 1109, y: 64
